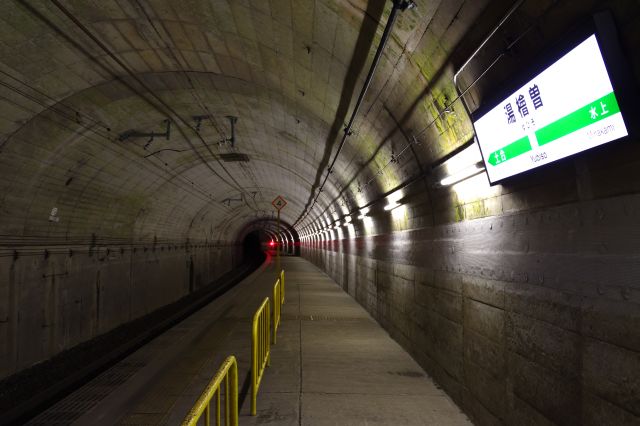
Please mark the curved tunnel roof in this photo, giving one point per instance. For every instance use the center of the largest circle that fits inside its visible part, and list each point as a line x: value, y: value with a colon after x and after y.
x: 88, y: 87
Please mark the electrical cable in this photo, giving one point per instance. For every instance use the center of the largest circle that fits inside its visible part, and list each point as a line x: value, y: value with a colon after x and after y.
x: 397, y: 5
x: 162, y: 171
x: 193, y: 91
x: 446, y: 110
x: 205, y: 199
x: 157, y: 103
x: 195, y: 191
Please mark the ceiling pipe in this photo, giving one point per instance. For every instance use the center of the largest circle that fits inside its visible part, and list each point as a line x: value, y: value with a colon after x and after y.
x: 397, y: 5
x: 504, y: 19
x: 460, y: 96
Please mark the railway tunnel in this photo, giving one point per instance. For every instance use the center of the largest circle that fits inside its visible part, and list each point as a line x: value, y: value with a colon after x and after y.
x: 450, y: 187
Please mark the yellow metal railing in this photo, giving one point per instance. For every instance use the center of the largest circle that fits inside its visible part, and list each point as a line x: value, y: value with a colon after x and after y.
x: 277, y: 302
x: 228, y: 373
x: 260, y: 349
x: 282, y: 287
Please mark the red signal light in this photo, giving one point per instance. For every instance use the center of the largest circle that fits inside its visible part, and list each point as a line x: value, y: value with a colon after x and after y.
x: 271, y: 244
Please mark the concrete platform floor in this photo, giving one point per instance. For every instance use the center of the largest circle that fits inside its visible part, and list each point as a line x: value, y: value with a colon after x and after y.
x: 332, y: 365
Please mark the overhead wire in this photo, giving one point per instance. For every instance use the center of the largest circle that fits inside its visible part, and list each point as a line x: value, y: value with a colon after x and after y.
x: 446, y: 110
x: 397, y: 5
x: 152, y: 99
x: 77, y: 116
x: 162, y: 172
x: 74, y: 118
x: 193, y: 91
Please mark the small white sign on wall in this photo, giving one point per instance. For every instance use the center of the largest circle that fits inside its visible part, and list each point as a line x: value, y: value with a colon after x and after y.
x: 53, y: 216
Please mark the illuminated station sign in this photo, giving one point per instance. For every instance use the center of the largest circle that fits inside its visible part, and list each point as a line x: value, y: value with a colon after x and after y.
x: 567, y: 108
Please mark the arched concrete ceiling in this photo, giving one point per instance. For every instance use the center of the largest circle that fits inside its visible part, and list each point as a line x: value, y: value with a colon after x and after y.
x: 78, y: 74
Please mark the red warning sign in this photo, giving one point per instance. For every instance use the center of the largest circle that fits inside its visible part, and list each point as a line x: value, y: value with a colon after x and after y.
x: 279, y: 202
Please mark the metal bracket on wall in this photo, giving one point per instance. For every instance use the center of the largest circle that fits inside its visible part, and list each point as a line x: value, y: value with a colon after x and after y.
x: 198, y: 119
x: 232, y: 120
x: 404, y: 4
x: 228, y: 201
x: 232, y: 140
x: 61, y: 274
x: 151, y: 135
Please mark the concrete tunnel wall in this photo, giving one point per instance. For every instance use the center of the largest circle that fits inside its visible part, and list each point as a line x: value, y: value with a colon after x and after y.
x: 521, y: 300
x: 52, y: 302
x: 528, y: 316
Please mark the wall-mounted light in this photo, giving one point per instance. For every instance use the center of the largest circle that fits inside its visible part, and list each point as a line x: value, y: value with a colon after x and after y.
x: 463, y: 165
x: 463, y: 174
x: 363, y: 213
x: 391, y: 206
x: 393, y: 200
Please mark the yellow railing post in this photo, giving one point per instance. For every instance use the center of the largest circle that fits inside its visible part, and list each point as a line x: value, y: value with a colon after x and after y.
x: 276, y: 310
x: 260, y: 349
x: 282, y: 287
x: 229, y: 373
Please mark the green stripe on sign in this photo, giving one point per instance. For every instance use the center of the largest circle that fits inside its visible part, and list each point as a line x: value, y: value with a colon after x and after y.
x: 510, y: 151
x: 595, y: 111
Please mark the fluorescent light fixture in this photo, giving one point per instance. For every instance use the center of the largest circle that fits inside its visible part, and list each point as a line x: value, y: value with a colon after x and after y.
x: 393, y: 200
x: 463, y: 165
x: 391, y: 206
x: 363, y: 213
x: 462, y: 174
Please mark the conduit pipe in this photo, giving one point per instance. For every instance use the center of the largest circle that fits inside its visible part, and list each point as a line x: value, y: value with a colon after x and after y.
x: 461, y: 94
x: 397, y: 5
